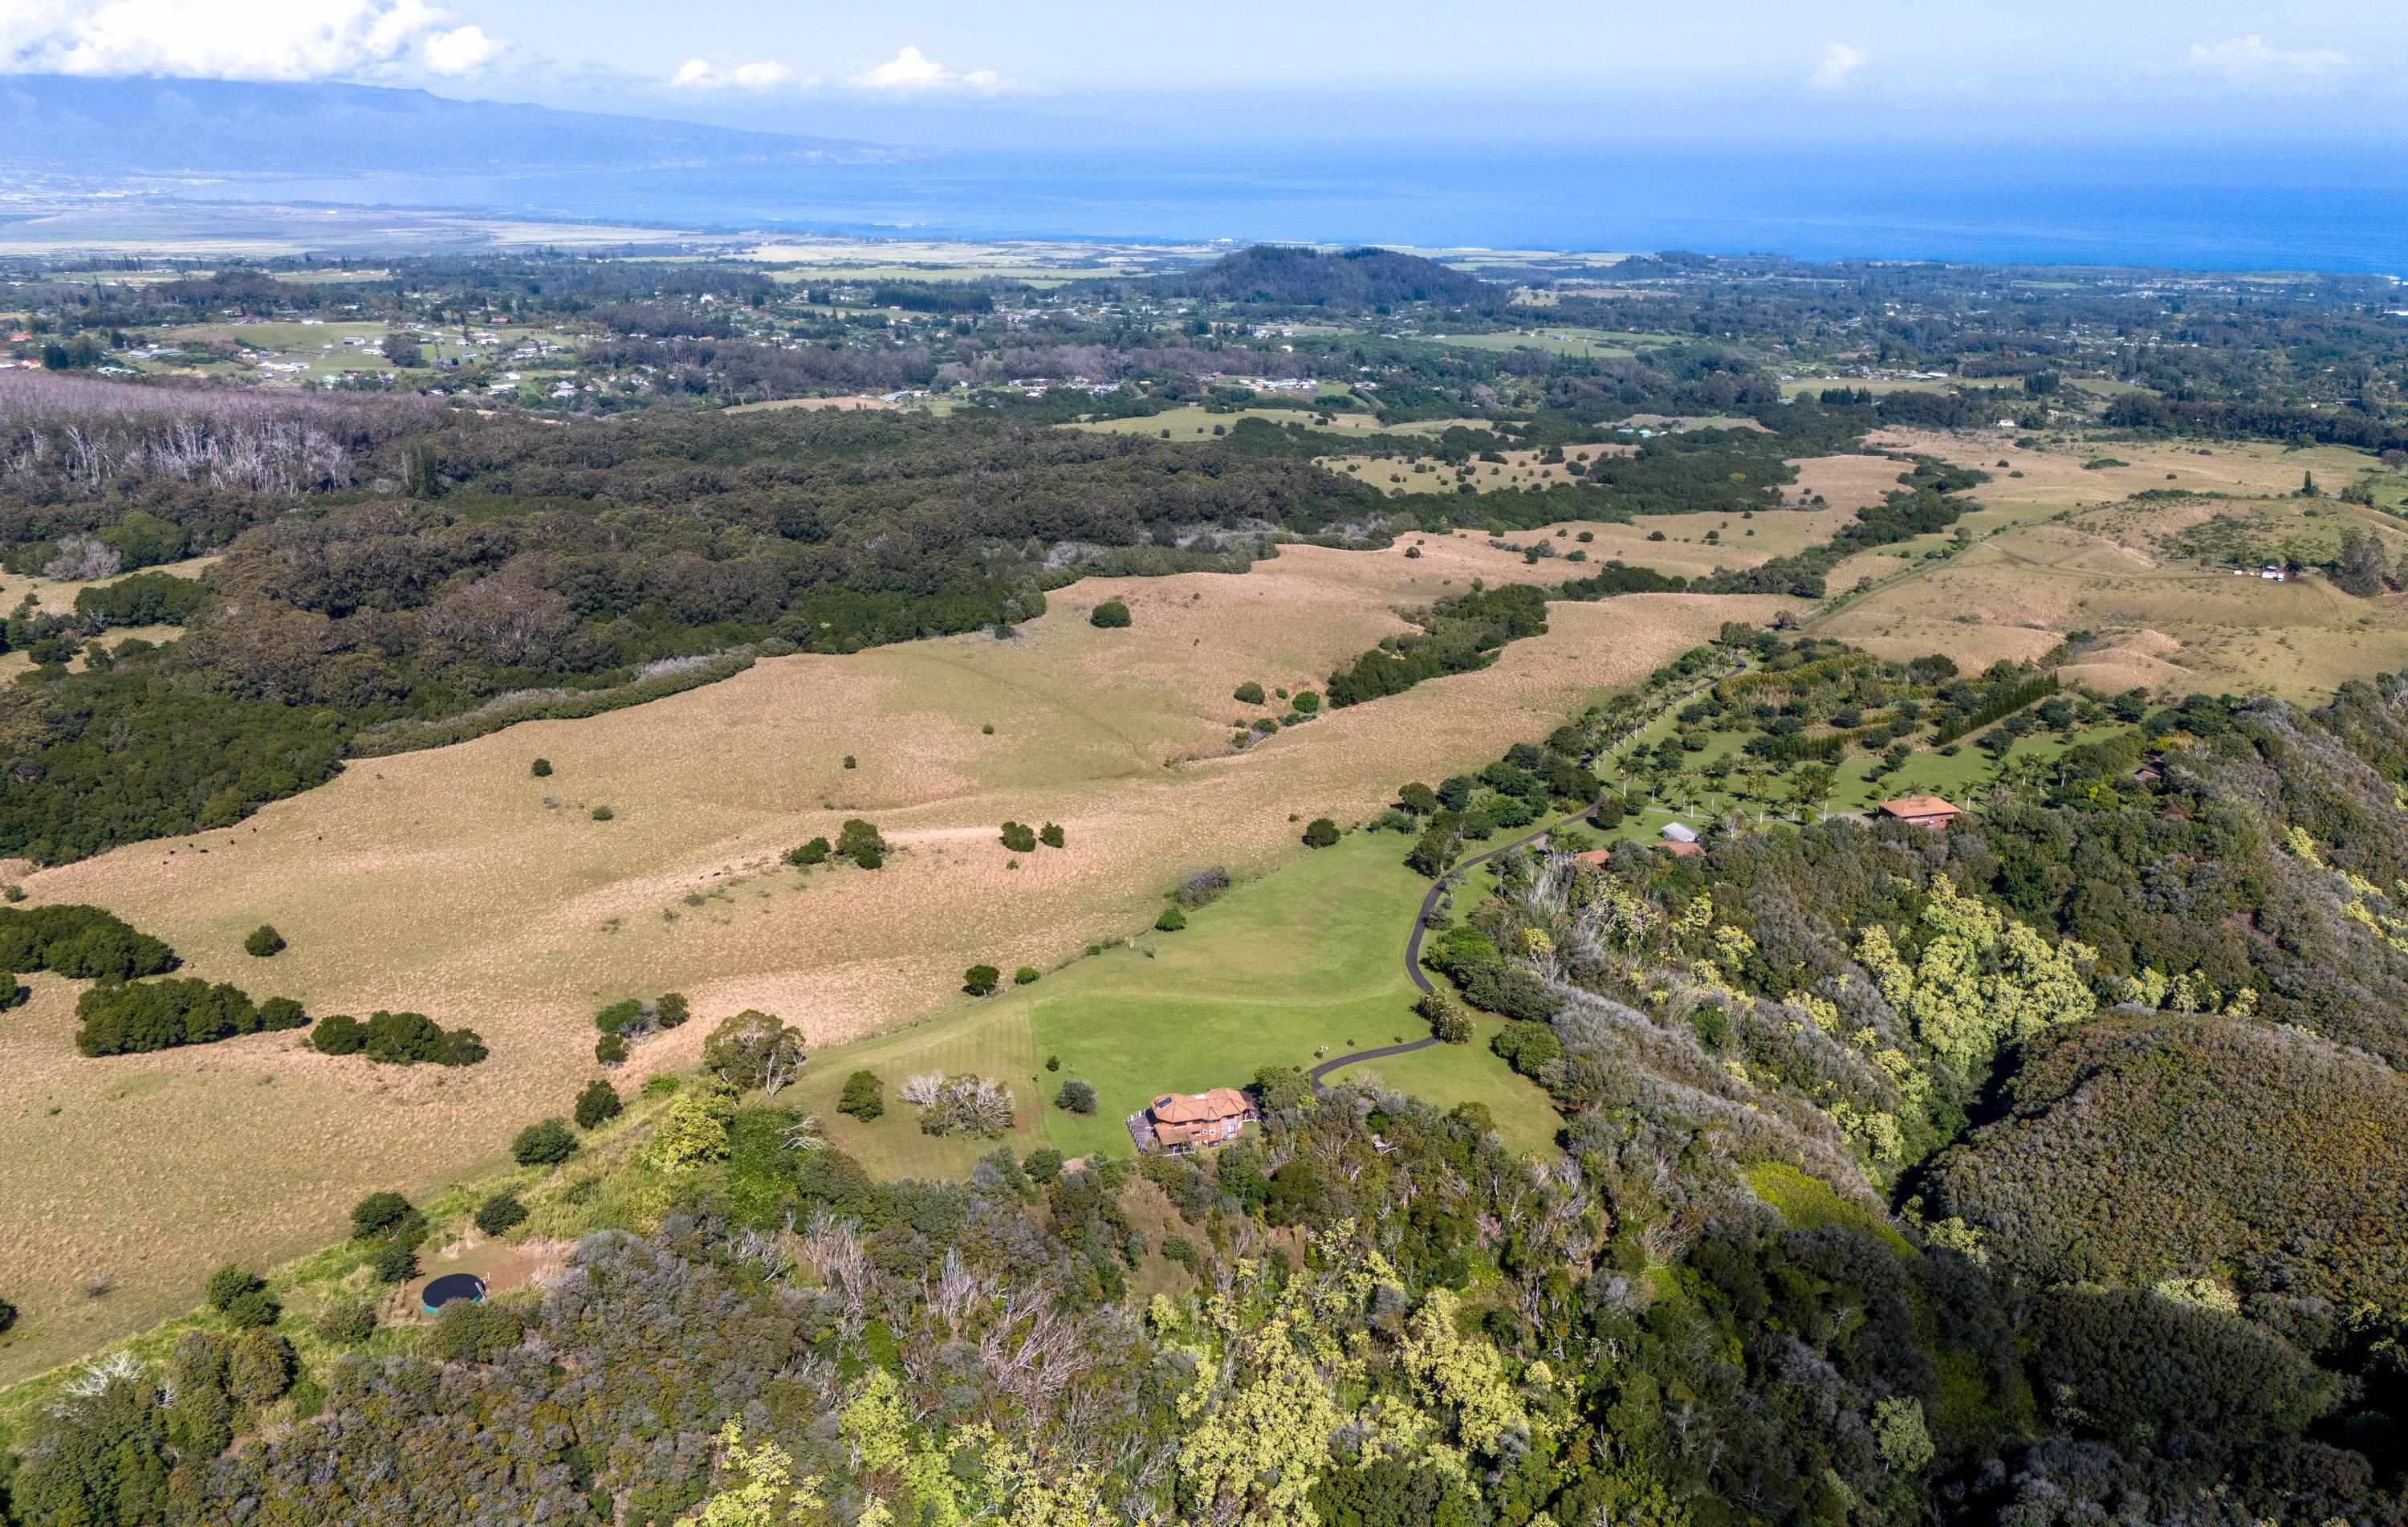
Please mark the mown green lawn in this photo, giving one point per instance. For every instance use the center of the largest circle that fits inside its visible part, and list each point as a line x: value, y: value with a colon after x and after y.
x: 1305, y: 963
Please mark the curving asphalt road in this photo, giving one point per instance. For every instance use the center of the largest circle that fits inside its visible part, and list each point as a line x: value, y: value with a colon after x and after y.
x: 1429, y: 905
x: 1421, y: 925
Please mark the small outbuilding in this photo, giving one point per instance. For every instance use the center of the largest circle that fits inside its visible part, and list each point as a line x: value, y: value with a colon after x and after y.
x: 1679, y: 832
x: 1923, y: 811
x: 452, y: 1289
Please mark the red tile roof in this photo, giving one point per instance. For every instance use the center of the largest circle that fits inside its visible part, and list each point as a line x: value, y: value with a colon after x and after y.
x: 1913, y: 806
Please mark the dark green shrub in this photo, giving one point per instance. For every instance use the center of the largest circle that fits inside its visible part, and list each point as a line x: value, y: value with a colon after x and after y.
x: 864, y: 1096
x: 597, y: 1104
x: 264, y: 942
x: 1322, y: 833
x: 981, y: 980
x: 870, y: 858
x: 540, y: 769
x: 1250, y: 692
x: 806, y: 855
x: 501, y: 1214
x: 1076, y: 1097
x: 1171, y: 920
x: 228, y: 1283
x: 1043, y: 1165
x: 253, y: 1311
x: 1051, y: 835
x: 620, y: 1016
x: 1528, y: 1048
x: 610, y: 1049
x: 858, y: 838
x: 670, y: 1011
x: 394, y: 1261
x: 1025, y: 975
x: 379, y: 1214
x: 1020, y: 837
x: 603, y: 813
x: 281, y: 1012
x: 545, y: 1143
x: 1110, y: 614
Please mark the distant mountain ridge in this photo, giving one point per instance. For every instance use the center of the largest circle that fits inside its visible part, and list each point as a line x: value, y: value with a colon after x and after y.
x: 70, y: 125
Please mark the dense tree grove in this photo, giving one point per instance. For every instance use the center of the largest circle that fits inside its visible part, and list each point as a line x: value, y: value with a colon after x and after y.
x: 131, y: 1017
x: 82, y: 943
x: 574, y: 562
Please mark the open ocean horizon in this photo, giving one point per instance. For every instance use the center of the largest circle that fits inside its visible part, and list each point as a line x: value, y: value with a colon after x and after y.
x: 2333, y: 210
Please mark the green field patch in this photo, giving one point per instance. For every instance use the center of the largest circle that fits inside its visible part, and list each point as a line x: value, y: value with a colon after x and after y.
x: 1808, y: 1203
x: 1305, y: 963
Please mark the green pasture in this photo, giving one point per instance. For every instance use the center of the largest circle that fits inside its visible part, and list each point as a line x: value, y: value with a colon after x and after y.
x: 1305, y: 963
x: 1593, y: 344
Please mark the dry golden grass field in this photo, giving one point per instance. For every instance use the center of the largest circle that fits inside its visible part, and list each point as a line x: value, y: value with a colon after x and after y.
x: 2062, y: 549
x: 54, y: 595
x: 847, y: 404
x: 453, y: 883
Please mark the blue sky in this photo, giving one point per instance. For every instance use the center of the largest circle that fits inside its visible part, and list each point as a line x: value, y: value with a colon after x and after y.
x: 1064, y: 73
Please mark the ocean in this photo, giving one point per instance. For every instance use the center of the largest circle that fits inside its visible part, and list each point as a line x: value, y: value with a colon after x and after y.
x: 2334, y: 209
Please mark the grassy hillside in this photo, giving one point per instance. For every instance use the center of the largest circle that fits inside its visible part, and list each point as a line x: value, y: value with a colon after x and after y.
x: 1304, y: 963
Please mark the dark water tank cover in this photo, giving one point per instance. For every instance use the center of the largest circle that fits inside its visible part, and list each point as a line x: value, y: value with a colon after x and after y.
x: 451, y: 1288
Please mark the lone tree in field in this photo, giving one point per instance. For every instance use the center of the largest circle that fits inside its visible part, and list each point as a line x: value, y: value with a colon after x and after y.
x: 864, y: 1096
x: 755, y: 1049
x: 501, y: 1214
x: 1020, y: 837
x: 1076, y: 1097
x: 859, y: 841
x: 540, y: 769
x: 981, y: 980
x: 263, y: 942
x: 1110, y: 614
x: 379, y: 1214
x: 1322, y: 833
x: 1051, y: 835
x: 546, y: 1144
x: 598, y: 1103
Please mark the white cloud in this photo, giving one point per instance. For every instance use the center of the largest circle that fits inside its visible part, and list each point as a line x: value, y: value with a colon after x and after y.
x: 238, y: 39
x: 463, y: 50
x: 767, y: 74
x: 912, y: 70
x: 1840, y: 64
x: 2248, y: 61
